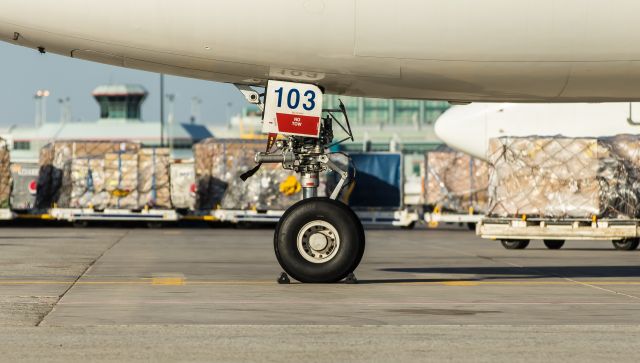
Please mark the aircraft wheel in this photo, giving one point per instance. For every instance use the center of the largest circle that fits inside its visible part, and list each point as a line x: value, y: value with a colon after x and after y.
x: 628, y: 244
x: 154, y: 225
x: 515, y: 244
x: 319, y: 240
x: 553, y: 244
x: 80, y: 224
x: 411, y: 225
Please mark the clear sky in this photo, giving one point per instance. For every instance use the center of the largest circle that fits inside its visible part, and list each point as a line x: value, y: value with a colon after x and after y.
x: 23, y: 71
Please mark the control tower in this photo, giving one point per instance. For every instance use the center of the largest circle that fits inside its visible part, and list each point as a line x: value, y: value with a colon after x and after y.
x: 120, y: 102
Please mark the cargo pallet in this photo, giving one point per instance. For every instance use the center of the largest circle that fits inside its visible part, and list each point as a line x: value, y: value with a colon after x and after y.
x: 246, y: 216
x: 400, y: 218
x: 554, y: 229
x: 435, y: 218
x: 122, y: 215
x: 6, y: 214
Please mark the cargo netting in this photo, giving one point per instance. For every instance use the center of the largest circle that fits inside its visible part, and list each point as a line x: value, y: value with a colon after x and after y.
x: 183, y: 185
x: 456, y: 182
x: 218, y: 165
x: 23, y: 190
x: 154, y: 178
x: 5, y: 174
x: 103, y: 175
x: 560, y: 177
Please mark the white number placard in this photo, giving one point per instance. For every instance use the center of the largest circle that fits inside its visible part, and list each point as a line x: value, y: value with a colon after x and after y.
x: 292, y: 109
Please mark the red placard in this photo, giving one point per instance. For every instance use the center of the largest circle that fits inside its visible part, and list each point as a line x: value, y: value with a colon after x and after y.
x: 298, y: 124
x: 33, y: 187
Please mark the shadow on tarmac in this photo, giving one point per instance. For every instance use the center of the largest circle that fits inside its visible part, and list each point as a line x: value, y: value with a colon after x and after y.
x: 529, y: 272
x: 409, y: 281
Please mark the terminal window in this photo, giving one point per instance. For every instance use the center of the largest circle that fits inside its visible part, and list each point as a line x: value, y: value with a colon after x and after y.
x: 22, y: 145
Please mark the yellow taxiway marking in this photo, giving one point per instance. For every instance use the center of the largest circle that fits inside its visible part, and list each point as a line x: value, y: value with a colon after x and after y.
x: 459, y: 283
x: 168, y: 281
x: 180, y: 281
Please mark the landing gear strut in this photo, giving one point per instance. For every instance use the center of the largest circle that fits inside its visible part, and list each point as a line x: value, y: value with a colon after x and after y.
x: 319, y: 239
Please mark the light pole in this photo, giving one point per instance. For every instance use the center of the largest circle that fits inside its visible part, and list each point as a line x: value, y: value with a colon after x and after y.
x: 229, y: 105
x: 195, y: 109
x: 38, y: 109
x: 170, y: 118
x: 41, y: 106
x: 65, y: 110
x: 161, y: 110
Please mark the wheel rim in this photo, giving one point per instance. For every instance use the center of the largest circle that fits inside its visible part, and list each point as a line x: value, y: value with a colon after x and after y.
x: 318, y: 241
x: 625, y: 244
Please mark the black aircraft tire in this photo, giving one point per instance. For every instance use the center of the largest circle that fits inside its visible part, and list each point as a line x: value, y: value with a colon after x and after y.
x: 628, y: 244
x: 336, y: 227
x: 515, y: 244
x: 553, y: 244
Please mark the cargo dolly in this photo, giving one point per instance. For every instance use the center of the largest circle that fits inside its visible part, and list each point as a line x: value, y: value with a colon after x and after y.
x: 396, y: 218
x: 382, y: 218
x: 437, y: 216
x: 6, y: 214
x: 515, y: 233
x: 120, y: 215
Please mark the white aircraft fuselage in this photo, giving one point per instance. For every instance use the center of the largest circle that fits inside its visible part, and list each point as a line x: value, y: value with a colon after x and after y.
x: 457, y: 50
x: 469, y: 128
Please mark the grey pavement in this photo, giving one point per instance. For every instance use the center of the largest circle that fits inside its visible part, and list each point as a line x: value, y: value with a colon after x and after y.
x: 210, y: 294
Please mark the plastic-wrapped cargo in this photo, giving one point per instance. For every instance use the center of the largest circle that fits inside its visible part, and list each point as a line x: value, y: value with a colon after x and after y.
x: 154, y: 185
x: 54, y: 179
x: 121, y: 180
x: 219, y: 163
x: 24, y: 184
x: 88, y: 184
x: 456, y: 182
x: 183, y: 185
x: 5, y: 174
x: 561, y: 177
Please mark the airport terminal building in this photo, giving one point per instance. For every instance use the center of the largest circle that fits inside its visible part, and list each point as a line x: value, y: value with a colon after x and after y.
x: 120, y: 120
x: 377, y: 124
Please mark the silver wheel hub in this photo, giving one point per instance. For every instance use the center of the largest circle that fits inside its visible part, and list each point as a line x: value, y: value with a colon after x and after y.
x: 318, y: 241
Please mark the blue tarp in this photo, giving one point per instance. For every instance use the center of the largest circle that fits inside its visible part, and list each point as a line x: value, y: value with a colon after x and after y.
x: 378, y: 181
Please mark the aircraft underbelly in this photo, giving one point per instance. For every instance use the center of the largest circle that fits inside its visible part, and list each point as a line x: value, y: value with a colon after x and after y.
x: 466, y: 50
x: 498, y: 30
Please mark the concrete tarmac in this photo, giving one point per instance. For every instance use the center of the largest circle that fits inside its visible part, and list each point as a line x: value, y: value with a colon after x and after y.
x: 211, y: 294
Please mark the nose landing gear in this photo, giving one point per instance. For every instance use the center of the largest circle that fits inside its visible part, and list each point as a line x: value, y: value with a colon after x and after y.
x: 319, y: 239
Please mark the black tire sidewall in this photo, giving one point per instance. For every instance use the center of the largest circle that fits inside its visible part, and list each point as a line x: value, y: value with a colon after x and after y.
x: 626, y: 245
x: 349, y: 229
x: 553, y: 244
x: 515, y: 244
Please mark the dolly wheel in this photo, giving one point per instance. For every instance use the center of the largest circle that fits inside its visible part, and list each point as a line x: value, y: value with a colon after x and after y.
x: 80, y: 224
x: 553, y: 244
x: 515, y: 244
x: 319, y: 240
x: 627, y: 244
x: 154, y: 225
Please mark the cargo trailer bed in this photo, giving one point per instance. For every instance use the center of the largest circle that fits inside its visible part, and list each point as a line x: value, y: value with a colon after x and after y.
x: 123, y: 215
x: 557, y: 229
x: 6, y: 214
x: 401, y: 218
